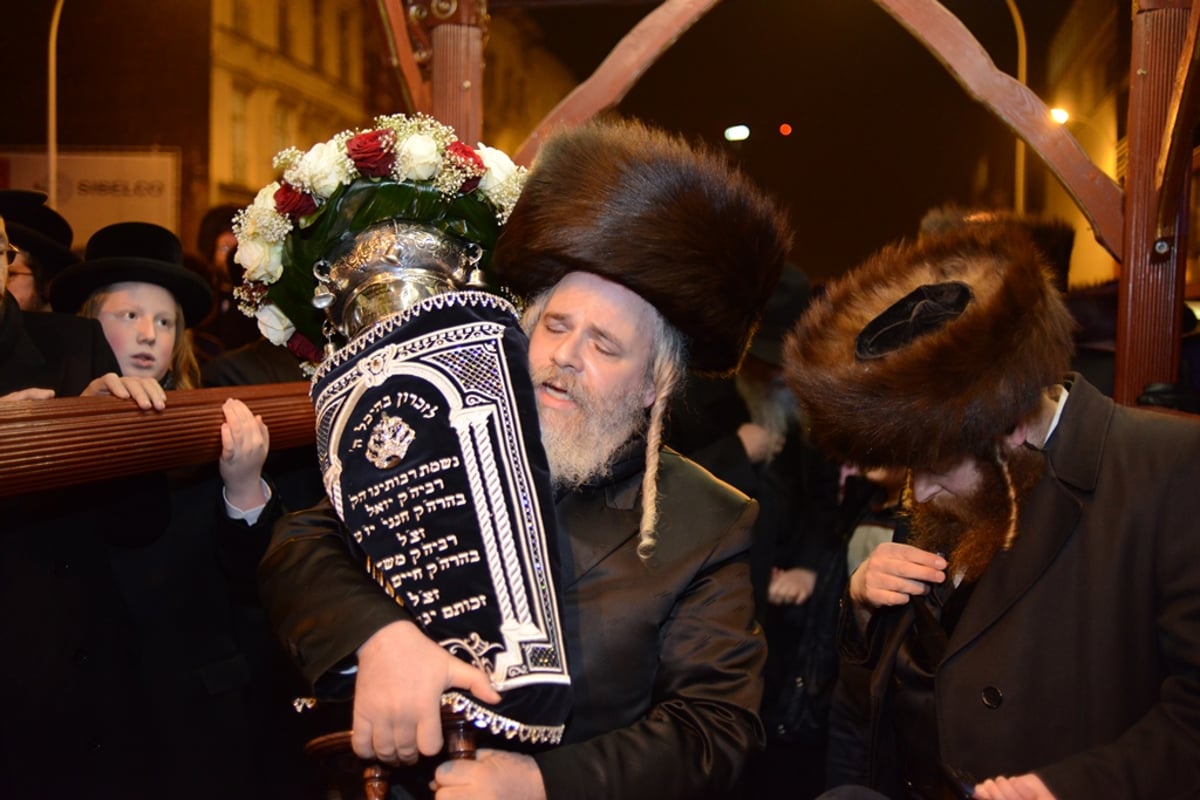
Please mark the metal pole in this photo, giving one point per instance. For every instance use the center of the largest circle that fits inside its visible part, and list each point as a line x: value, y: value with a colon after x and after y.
x: 52, y: 108
x: 1019, y: 161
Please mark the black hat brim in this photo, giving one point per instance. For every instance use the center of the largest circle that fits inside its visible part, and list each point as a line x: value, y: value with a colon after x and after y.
x: 76, y: 283
x: 52, y: 256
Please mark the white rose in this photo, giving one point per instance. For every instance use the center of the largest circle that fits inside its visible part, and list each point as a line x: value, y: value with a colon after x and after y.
x: 500, y: 168
x: 266, y: 196
x: 274, y: 324
x: 263, y: 261
x: 262, y: 223
x: 419, y: 156
x: 322, y: 169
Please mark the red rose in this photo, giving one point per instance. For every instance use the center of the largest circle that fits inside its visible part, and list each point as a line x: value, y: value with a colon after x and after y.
x: 372, y: 152
x: 464, y: 157
x: 292, y: 202
x: 301, y: 347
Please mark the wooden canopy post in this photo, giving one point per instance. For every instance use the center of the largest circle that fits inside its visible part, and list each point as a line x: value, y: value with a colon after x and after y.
x: 457, y: 29
x: 449, y: 37
x: 1150, y: 289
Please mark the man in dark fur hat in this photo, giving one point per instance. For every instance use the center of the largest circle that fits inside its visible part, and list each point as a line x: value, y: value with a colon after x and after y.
x: 636, y: 252
x: 1035, y: 636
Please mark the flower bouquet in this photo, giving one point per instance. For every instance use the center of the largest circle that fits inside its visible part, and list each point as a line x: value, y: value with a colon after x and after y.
x: 405, y: 168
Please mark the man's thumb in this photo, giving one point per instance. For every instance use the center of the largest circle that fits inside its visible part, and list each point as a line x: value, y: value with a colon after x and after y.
x: 475, y: 681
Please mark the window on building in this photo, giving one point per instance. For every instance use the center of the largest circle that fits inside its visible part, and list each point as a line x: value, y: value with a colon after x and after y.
x: 241, y: 16
x: 239, y: 99
x: 283, y: 128
x: 318, y: 35
x: 345, y: 20
x: 285, y: 28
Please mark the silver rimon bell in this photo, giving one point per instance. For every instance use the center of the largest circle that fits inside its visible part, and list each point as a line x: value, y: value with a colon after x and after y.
x: 388, y: 268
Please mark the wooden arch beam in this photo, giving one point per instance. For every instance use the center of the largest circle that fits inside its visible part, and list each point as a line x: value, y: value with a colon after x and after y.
x: 1097, y: 195
x: 417, y: 91
x: 612, y: 80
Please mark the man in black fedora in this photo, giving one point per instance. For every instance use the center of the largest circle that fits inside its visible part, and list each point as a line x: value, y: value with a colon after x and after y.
x: 71, y: 724
x: 44, y: 355
x: 42, y: 242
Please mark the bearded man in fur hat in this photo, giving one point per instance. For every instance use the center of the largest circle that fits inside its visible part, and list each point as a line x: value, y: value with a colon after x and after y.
x: 635, y: 252
x: 1035, y: 636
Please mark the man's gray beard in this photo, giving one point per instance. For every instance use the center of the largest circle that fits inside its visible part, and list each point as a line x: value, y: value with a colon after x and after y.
x: 581, y: 446
x: 772, y: 405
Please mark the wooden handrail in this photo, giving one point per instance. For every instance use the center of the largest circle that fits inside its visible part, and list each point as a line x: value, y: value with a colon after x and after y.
x: 67, y: 441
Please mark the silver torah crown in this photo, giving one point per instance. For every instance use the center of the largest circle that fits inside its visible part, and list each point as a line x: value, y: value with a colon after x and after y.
x: 388, y: 268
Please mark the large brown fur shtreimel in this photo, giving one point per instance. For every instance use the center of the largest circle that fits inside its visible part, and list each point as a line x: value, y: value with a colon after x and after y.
x: 674, y: 223
x: 952, y: 392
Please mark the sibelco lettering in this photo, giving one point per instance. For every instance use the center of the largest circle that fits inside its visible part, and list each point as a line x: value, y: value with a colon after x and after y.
x: 120, y: 188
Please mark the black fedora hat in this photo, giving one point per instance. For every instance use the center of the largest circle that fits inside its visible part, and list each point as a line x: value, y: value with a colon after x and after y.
x: 782, y: 311
x: 133, y: 251
x: 38, y: 229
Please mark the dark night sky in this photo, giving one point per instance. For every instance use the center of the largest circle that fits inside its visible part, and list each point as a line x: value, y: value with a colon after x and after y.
x: 882, y: 131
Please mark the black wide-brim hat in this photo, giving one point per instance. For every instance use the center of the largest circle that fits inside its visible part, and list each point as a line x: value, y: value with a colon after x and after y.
x: 37, y: 229
x: 133, y: 252
x: 783, y: 309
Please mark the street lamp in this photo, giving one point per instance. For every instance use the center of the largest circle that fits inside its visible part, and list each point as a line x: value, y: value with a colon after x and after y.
x: 1077, y: 123
x: 1019, y: 165
x: 52, y: 108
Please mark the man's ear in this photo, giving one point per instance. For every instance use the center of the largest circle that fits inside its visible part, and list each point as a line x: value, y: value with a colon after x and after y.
x: 649, y: 395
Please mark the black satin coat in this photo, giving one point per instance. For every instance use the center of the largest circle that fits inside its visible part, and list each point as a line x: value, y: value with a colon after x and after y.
x: 45, y: 350
x: 666, y: 660
x: 71, y: 721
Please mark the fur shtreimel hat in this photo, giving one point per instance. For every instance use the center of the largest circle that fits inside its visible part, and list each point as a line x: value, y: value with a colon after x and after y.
x: 929, y: 352
x: 1054, y: 238
x: 133, y: 251
x: 675, y: 224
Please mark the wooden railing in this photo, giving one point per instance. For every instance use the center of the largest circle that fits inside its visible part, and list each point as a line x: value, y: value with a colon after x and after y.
x: 50, y: 443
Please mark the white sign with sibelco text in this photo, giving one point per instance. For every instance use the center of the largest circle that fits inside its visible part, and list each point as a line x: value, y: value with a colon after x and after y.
x: 98, y: 188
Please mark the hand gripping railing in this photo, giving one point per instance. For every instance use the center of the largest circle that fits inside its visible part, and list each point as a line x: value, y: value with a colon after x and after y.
x: 46, y: 444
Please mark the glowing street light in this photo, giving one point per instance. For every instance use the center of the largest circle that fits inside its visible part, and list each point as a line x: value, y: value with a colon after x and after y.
x: 1059, y: 115
x: 737, y: 133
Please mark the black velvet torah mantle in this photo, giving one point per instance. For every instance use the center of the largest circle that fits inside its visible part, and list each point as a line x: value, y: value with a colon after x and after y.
x: 428, y: 437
